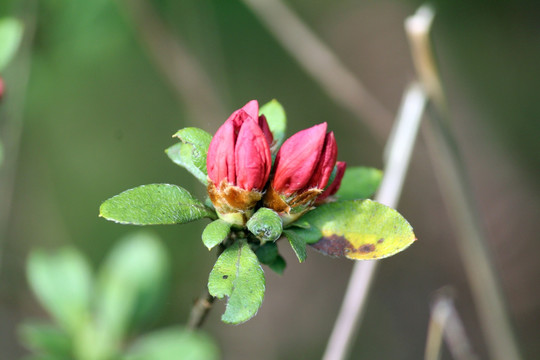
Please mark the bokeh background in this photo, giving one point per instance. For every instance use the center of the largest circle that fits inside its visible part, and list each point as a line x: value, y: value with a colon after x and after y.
x: 99, y: 109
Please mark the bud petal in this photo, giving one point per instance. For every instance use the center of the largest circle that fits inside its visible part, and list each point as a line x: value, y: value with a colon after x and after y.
x: 326, y: 163
x: 253, y: 159
x: 220, y: 161
x: 298, y: 158
x: 252, y: 109
x: 263, y: 124
x: 334, y: 186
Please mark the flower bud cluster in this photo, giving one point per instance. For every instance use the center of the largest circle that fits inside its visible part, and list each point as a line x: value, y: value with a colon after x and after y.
x: 240, y: 175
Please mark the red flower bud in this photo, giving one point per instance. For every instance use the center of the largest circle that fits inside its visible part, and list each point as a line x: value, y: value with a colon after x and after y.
x: 239, y: 152
x: 239, y: 163
x: 334, y: 186
x: 297, y: 159
x: 303, y: 167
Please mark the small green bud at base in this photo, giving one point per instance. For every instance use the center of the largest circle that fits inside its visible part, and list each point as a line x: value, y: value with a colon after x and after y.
x: 266, y: 225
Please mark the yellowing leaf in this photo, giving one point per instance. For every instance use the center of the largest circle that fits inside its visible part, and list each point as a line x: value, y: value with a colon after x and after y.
x: 359, y: 230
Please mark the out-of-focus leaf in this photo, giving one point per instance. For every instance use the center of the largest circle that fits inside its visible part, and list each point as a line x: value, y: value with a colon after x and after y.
x: 298, y: 244
x: 46, y: 339
x: 278, y: 265
x: 11, y: 31
x: 215, y: 233
x: 192, y: 156
x: 268, y: 254
x: 62, y: 282
x: 182, y: 154
x: 277, y: 121
x: 131, y: 283
x: 266, y: 225
x: 238, y: 275
x: 154, y: 204
x: 359, y: 183
x: 359, y: 230
x: 172, y: 344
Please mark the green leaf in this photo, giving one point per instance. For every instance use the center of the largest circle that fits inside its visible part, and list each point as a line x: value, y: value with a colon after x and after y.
x: 238, y: 275
x: 182, y: 154
x: 278, y: 265
x: 308, y: 233
x: 62, y: 282
x: 11, y: 31
x: 277, y: 121
x: 359, y: 183
x: 359, y: 230
x: 215, y: 233
x: 297, y: 243
x: 154, y: 204
x: 268, y: 254
x: 192, y: 156
x: 174, y: 343
x: 266, y: 225
x: 131, y: 284
x: 45, y: 339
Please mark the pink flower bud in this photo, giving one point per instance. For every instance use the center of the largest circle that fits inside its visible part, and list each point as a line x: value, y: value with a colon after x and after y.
x: 239, y: 152
x: 303, y: 167
x: 239, y: 163
x: 305, y: 161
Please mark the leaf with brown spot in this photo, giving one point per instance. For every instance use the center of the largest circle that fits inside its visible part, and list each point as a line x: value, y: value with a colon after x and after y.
x: 359, y: 230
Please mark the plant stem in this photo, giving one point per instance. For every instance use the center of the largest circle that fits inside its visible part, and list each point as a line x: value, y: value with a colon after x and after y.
x: 203, y: 305
x: 445, y: 322
x: 200, y: 310
x: 451, y: 174
x: 399, y: 148
x: 183, y: 71
x: 320, y: 62
x: 11, y: 126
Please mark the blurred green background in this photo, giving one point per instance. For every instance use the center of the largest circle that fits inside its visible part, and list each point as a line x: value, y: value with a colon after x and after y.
x: 98, y: 112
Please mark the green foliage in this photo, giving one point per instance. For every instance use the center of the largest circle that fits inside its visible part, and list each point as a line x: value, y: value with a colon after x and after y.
x: 277, y: 121
x: 266, y: 225
x: 46, y: 339
x: 173, y: 343
x: 95, y: 325
x: 215, y: 233
x: 63, y: 284
x: 191, y: 152
x: 238, y: 275
x: 359, y: 183
x: 358, y: 230
x: 154, y: 204
x: 182, y: 154
x: 131, y: 283
x: 268, y: 254
x: 11, y: 32
x: 298, y: 244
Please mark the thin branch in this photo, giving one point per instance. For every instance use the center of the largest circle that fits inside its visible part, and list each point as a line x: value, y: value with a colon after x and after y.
x: 200, y: 310
x: 446, y: 323
x: 399, y: 153
x: 190, y: 82
x: 451, y: 174
x: 12, y: 124
x: 339, y: 83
